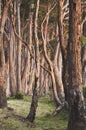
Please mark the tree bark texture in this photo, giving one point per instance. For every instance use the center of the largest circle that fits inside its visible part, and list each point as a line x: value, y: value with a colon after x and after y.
x: 58, y: 73
x: 32, y: 114
x: 27, y: 65
x: 77, y: 119
x: 63, y: 47
x: 34, y: 103
x: 44, y: 32
x: 19, y: 45
x: 3, y: 100
x: 13, y: 85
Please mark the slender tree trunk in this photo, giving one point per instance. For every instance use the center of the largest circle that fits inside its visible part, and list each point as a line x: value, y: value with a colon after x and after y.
x: 26, y: 73
x: 32, y: 114
x: 84, y: 65
x: 84, y: 57
x: 58, y: 73
x: 63, y: 47
x: 31, y: 79
x: 28, y: 64
x: 19, y: 45
x: 13, y: 86
x: 34, y: 103
x: 41, y: 76
x: 77, y: 117
x: 50, y: 63
x: 7, y: 67
x: 47, y: 84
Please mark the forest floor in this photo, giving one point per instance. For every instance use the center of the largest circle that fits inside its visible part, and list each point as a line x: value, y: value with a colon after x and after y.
x: 14, y: 119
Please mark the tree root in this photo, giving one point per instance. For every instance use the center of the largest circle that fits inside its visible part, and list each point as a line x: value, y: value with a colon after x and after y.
x: 59, y: 108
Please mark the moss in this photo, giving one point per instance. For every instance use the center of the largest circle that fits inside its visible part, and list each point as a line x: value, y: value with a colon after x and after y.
x: 83, y: 40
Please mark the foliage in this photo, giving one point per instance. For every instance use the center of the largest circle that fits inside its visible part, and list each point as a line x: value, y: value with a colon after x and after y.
x: 19, y: 96
x: 10, y: 97
x: 83, y: 40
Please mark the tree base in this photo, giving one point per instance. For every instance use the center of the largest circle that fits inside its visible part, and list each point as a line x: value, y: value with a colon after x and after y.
x: 3, y: 100
x: 77, y: 117
x: 78, y: 125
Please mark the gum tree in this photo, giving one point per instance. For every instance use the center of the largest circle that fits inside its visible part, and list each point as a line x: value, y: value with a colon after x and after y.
x: 77, y: 117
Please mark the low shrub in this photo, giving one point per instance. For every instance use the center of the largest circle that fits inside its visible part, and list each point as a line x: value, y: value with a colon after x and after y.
x: 19, y: 95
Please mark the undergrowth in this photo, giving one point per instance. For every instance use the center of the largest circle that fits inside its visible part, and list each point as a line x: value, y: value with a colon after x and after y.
x: 14, y: 117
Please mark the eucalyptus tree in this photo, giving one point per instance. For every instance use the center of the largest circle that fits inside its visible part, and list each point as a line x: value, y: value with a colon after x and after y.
x: 19, y: 46
x: 34, y: 103
x: 12, y: 73
x: 54, y: 67
x: 28, y: 71
x: 83, y: 39
x: 77, y: 117
x: 3, y: 18
x: 62, y: 15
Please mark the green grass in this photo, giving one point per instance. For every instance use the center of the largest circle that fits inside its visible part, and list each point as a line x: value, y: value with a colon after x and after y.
x: 15, y: 119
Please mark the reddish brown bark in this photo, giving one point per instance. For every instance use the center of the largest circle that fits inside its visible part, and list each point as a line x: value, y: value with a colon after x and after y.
x: 3, y: 101
x: 77, y: 120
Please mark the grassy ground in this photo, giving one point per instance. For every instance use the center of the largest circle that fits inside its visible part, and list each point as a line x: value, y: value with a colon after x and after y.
x: 15, y: 119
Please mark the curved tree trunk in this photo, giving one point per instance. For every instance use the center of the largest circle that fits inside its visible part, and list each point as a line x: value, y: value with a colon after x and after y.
x: 58, y: 73
x: 63, y: 47
x: 50, y: 63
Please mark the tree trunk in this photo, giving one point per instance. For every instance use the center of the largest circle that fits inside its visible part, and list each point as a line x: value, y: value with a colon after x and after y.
x: 54, y: 88
x: 63, y: 48
x: 19, y: 45
x: 31, y: 79
x: 84, y: 65
x: 12, y: 74
x: 77, y: 118
x: 3, y: 100
x: 58, y: 73
x: 31, y: 116
x: 41, y: 76
x: 84, y: 57
x: 34, y: 103
x: 28, y: 64
x: 6, y: 48
x: 50, y: 63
